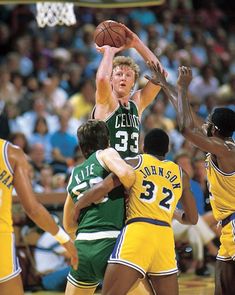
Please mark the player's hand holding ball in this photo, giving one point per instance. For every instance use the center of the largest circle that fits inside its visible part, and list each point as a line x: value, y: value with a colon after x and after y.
x: 113, y: 34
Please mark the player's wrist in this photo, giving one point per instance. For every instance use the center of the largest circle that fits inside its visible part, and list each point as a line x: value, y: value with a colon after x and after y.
x: 61, y: 236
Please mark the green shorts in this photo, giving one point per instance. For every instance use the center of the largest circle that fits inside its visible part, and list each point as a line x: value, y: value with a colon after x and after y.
x: 93, y: 256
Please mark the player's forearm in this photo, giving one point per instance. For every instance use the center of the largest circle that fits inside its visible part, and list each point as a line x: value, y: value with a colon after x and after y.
x: 97, y: 192
x: 184, y: 114
x: 106, y: 66
x: 171, y: 94
x: 127, y: 177
x: 144, y: 51
x: 42, y: 218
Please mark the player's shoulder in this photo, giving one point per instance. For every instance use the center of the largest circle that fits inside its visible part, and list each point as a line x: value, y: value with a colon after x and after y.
x: 12, y: 148
x: 110, y: 151
x: 15, y: 155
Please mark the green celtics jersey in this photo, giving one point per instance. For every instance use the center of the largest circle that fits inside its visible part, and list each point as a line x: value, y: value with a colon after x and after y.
x: 109, y: 214
x: 124, y: 129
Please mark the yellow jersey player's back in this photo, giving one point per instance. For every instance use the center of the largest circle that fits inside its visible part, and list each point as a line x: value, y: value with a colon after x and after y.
x: 146, y: 244
x: 157, y: 189
x: 6, y: 186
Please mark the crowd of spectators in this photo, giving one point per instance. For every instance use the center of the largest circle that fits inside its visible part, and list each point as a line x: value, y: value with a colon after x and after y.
x: 47, y: 77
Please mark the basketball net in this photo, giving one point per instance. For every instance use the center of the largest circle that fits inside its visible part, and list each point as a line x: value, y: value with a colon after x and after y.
x: 55, y: 13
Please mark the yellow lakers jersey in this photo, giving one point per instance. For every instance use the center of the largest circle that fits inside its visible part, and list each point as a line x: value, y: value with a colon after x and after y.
x: 6, y: 186
x: 222, y: 190
x: 157, y: 189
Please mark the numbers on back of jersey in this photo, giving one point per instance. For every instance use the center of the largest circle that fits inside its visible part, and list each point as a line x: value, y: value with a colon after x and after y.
x: 83, y: 186
x: 125, y: 140
x: 150, y: 193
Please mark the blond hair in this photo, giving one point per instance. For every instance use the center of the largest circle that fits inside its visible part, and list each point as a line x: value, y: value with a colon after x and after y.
x: 126, y: 61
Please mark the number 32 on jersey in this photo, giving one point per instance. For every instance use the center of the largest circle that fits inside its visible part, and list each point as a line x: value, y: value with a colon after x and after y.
x: 152, y: 191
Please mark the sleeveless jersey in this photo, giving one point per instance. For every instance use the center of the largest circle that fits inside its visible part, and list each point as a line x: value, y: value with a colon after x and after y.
x: 157, y: 189
x: 6, y: 186
x: 108, y: 214
x: 124, y: 129
x: 221, y: 188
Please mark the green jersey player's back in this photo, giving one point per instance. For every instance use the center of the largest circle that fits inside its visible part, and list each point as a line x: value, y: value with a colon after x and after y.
x: 124, y: 129
x: 109, y: 214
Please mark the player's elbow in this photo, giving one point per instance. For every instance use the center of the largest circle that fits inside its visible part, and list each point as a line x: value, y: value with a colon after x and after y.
x: 102, y: 79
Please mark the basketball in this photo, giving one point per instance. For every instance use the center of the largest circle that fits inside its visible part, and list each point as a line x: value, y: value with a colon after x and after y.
x: 110, y: 33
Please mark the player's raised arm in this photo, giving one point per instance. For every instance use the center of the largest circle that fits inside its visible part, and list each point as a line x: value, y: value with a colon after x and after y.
x: 103, y: 76
x: 158, y: 78
x: 150, y: 90
x: 36, y: 211
x: 172, y: 92
x: 204, y: 140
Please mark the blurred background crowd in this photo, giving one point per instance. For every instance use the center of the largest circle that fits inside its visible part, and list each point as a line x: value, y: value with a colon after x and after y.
x: 47, y: 82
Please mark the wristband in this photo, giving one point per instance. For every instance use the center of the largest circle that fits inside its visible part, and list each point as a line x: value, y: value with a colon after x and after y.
x: 61, y: 236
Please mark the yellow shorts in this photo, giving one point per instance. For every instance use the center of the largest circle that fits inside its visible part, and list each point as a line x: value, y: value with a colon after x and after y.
x: 9, y: 264
x: 146, y: 247
x: 227, y: 240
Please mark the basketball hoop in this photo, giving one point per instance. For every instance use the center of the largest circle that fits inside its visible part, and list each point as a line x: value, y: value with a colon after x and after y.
x: 55, y: 13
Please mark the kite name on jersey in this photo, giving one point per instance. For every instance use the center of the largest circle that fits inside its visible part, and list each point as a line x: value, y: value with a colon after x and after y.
x: 82, y: 179
x: 160, y: 171
x: 89, y: 170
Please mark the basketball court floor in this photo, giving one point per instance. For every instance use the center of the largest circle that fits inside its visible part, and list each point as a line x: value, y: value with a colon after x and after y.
x: 189, y: 284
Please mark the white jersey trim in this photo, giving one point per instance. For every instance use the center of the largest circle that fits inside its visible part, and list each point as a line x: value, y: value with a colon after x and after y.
x: 110, y: 115
x: 223, y: 258
x: 129, y: 264
x: 220, y: 171
x: 140, y: 157
x: 5, y: 157
x: 98, y: 235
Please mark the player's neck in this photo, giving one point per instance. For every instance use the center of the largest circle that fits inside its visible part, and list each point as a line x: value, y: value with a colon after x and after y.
x: 124, y: 99
x: 161, y: 158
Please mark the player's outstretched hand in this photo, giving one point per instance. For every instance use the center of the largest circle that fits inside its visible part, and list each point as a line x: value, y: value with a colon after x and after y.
x: 158, y: 74
x: 69, y: 246
x: 185, y: 76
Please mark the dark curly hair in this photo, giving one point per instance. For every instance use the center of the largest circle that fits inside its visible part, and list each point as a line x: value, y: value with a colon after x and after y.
x: 93, y: 136
x: 224, y: 119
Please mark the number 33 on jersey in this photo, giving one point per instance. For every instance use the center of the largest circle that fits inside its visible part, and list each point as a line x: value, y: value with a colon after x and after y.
x: 157, y: 189
x: 124, y: 129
